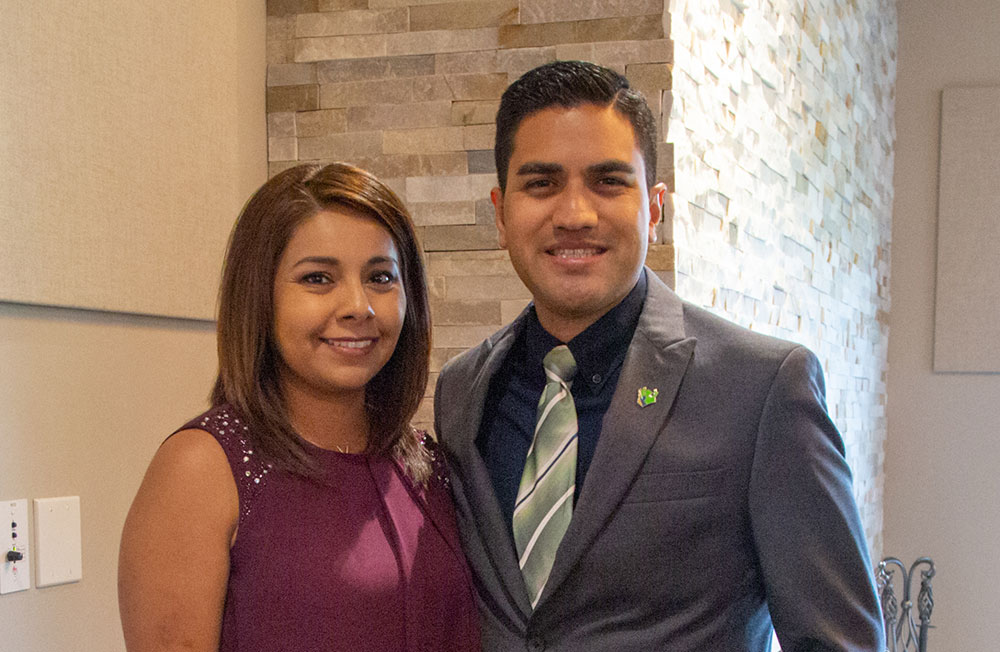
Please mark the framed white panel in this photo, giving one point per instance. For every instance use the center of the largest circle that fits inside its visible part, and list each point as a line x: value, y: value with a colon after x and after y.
x: 967, y: 297
x: 131, y: 133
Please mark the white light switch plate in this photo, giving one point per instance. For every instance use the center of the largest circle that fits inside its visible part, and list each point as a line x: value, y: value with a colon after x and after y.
x: 14, y: 575
x: 58, y: 555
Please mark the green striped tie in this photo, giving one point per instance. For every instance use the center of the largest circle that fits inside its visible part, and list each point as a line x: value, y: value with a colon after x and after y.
x: 544, y: 504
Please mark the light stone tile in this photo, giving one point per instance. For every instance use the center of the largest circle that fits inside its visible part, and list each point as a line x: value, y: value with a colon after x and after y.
x: 280, y: 28
x: 379, y: 4
x: 554, y: 11
x: 441, y: 355
x: 605, y: 29
x: 377, y: 68
x: 397, y: 185
x: 518, y: 61
x: 619, y: 53
x: 447, y: 63
x: 282, y: 149
x: 340, y: 146
x: 431, y: 88
x: 485, y: 38
x: 338, y: 5
x: 423, y: 418
x: 466, y: 313
x: 469, y: 263
x: 399, y: 116
x: 407, y: 165
x: 291, y: 74
x: 478, y: 137
x: 289, y: 7
x: 282, y: 51
x: 343, y: 23
x: 471, y: 288
x: 463, y: 15
x: 292, y: 98
x: 474, y: 112
x: 649, y: 75
x: 418, y: 141
x: 363, y: 93
x: 281, y: 125
x: 310, y: 124
x: 482, y: 161
x: 340, y: 47
x: 443, y: 213
x: 461, y: 336
x: 477, y: 86
x: 277, y: 167
x: 432, y: 189
x: 460, y: 238
x: 511, y: 308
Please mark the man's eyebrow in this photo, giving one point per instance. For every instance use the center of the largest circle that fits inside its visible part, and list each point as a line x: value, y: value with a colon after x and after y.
x: 538, y: 167
x: 612, y: 165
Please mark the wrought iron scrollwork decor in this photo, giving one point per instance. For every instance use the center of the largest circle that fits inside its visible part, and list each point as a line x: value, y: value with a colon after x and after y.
x: 905, y: 632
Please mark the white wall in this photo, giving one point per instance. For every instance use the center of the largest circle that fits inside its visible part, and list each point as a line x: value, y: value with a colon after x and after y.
x: 943, y: 453
x: 85, y: 399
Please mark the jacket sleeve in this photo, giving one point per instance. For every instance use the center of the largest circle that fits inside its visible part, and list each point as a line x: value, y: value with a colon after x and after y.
x: 808, y: 534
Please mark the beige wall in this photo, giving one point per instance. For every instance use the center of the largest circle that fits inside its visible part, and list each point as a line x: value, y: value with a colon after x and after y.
x: 125, y: 133
x: 943, y: 452
x: 131, y: 133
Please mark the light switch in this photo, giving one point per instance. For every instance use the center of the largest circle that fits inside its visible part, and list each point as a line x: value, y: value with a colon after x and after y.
x: 15, y: 563
x: 58, y: 556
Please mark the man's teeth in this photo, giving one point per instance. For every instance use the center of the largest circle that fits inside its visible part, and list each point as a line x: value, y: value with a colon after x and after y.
x: 575, y: 253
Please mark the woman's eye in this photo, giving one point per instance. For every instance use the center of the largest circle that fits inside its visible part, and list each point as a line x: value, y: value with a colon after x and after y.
x: 383, y: 278
x: 315, y: 278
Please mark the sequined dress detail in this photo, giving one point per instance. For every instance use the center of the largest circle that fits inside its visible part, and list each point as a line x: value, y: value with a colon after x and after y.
x: 358, y: 560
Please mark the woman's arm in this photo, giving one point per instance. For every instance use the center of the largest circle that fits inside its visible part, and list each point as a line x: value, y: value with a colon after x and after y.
x: 174, y: 560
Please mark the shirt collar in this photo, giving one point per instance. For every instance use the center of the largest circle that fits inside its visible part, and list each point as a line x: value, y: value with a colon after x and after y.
x: 600, y: 349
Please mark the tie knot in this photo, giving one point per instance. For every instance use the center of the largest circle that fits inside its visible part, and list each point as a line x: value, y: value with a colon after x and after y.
x: 559, y: 361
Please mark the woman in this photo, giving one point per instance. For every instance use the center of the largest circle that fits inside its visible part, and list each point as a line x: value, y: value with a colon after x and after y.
x: 303, y: 512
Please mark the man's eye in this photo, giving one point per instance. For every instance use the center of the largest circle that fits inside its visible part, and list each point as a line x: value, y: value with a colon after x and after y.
x: 538, y: 184
x: 612, y: 181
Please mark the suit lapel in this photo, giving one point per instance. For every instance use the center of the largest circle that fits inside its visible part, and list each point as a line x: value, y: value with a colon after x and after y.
x: 657, y: 358
x: 490, y: 527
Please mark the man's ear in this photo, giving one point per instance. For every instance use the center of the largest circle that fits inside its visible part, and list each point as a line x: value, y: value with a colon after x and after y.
x: 657, y: 195
x: 496, y: 196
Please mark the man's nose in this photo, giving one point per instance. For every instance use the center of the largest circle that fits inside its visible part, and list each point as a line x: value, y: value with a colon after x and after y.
x: 575, y: 210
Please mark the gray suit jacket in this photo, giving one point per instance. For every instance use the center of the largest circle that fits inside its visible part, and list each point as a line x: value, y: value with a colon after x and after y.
x: 723, y: 506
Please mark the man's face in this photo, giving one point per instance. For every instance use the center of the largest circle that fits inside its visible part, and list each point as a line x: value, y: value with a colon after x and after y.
x: 576, y: 216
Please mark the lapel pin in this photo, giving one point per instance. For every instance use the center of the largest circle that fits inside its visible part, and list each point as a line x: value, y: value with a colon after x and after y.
x: 646, y: 396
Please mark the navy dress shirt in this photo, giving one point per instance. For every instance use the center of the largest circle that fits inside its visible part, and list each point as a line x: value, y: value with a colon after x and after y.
x: 508, y: 423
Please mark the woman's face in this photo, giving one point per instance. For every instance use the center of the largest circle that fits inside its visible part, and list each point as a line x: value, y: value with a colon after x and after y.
x: 339, y: 304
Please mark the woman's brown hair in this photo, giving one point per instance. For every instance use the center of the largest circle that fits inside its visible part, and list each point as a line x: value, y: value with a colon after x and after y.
x: 248, y: 358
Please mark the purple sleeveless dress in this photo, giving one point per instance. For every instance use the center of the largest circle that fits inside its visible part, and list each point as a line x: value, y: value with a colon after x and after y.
x: 359, y: 560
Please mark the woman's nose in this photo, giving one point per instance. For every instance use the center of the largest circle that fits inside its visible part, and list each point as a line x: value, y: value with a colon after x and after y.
x: 353, y: 302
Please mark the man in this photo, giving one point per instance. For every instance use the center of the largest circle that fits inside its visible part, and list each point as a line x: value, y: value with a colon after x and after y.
x: 665, y: 481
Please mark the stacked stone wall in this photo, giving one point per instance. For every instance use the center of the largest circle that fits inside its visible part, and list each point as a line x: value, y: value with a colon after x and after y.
x: 783, y: 132
x: 409, y: 90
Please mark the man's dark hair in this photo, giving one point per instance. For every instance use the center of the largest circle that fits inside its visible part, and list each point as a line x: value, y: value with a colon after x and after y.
x: 569, y: 84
